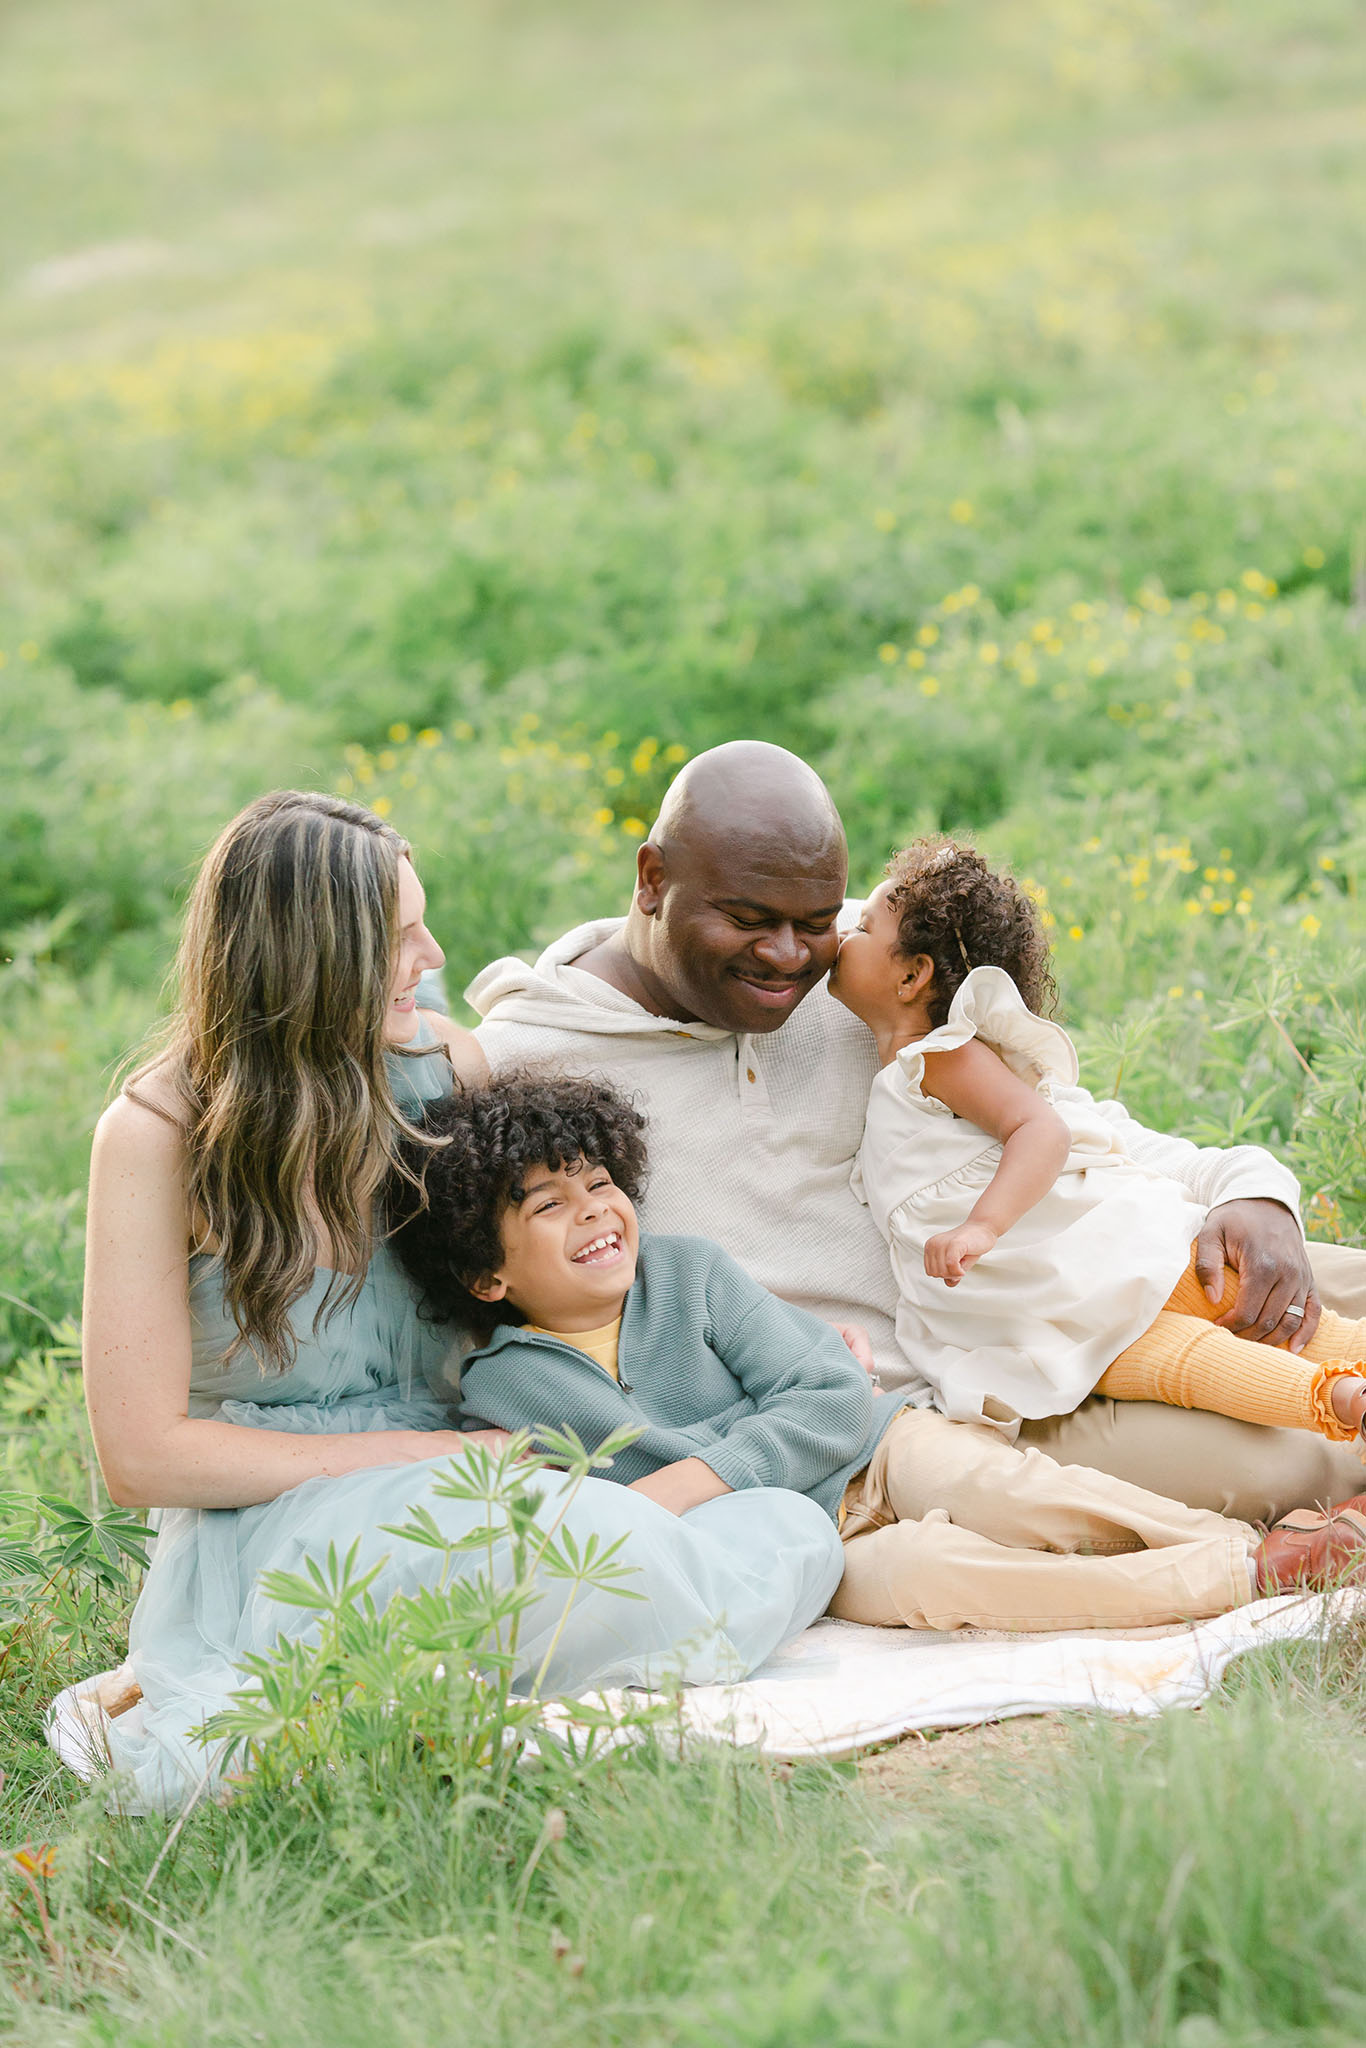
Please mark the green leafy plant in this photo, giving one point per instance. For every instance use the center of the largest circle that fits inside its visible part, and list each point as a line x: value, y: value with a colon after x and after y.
x: 429, y: 1679
x: 66, y: 1573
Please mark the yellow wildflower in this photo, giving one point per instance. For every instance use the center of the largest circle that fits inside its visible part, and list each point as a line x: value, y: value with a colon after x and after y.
x: 398, y: 733
x: 888, y: 652
x: 961, y: 512
x: 1310, y: 925
x: 927, y: 635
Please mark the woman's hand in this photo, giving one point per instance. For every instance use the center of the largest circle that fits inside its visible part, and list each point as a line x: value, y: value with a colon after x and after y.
x: 948, y: 1256
x: 419, y: 1444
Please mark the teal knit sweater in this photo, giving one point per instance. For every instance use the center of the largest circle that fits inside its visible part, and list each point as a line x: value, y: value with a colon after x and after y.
x: 711, y: 1365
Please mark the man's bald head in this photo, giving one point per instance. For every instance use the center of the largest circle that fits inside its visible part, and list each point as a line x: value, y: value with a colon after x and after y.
x: 755, y: 801
x: 738, y: 889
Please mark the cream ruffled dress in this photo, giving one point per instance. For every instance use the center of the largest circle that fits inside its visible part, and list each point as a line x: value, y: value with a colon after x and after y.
x: 1033, y: 1325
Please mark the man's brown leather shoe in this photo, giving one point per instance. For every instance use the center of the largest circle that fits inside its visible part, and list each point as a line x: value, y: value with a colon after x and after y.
x: 1309, y: 1549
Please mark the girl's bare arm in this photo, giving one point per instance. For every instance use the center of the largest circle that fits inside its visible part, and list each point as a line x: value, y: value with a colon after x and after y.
x: 137, y: 1348
x: 977, y: 1085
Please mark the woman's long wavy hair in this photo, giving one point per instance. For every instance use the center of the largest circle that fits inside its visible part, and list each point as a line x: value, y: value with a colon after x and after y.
x: 276, y: 1053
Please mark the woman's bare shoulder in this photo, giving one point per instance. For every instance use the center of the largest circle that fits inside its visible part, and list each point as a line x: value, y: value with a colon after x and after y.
x: 465, y: 1051
x: 145, y: 1120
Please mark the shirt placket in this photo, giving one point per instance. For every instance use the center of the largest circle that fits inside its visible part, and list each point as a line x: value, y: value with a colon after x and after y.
x: 750, y: 1083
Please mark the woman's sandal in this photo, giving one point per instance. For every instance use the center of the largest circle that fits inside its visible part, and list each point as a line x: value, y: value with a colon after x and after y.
x: 1307, y: 1548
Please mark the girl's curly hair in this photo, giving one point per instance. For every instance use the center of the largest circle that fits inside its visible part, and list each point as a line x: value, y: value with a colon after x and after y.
x: 449, y: 1234
x: 949, y: 904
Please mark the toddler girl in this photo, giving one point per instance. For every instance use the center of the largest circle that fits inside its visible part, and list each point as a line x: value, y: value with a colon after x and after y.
x: 1037, y: 1263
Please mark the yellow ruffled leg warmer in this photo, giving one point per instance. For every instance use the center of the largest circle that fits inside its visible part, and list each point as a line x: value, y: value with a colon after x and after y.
x: 1185, y: 1362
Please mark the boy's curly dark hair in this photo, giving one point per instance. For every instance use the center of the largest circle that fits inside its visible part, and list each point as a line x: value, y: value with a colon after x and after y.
x: 449, y: 1234
x: 949, y: 904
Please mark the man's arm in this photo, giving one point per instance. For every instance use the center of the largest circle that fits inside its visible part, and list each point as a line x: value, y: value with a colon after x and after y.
x: 1253, y: 1225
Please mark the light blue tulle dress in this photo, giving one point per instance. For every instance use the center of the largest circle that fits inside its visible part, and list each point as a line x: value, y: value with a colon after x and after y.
x: 723, y: 1585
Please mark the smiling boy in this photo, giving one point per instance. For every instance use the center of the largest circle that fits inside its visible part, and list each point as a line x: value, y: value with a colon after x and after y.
x: 529, y: 1241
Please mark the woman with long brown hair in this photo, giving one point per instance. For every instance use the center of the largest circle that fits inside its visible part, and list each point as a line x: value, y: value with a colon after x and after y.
x: 251, y: 1345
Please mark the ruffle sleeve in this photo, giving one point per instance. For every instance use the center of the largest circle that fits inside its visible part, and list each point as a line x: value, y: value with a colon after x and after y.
x: 990, y: 1007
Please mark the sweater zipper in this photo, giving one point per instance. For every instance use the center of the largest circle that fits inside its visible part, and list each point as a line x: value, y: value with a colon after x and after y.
x: 618, y: 1380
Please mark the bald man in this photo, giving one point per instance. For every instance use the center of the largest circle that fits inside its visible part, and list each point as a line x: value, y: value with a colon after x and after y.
x: 706, y: 1002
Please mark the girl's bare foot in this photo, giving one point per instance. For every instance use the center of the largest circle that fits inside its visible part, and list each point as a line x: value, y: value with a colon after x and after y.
x: 1348, y: 1397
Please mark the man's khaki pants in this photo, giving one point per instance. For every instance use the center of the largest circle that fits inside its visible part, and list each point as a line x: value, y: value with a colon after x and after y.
x: 1211, y: 1461
x: 953, y: 1527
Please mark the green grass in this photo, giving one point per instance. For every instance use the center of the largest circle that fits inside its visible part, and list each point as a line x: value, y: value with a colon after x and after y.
x: 1136, y: 1887
x: 481, y: 408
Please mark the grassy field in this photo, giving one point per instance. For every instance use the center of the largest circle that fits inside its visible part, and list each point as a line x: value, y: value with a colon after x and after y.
x: 481, y: 409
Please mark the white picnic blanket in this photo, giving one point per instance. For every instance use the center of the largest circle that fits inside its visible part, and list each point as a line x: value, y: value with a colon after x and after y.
x: 840, y: 1688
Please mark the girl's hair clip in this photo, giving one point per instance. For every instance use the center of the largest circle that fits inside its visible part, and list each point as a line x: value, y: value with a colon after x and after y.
x: 944, y: 858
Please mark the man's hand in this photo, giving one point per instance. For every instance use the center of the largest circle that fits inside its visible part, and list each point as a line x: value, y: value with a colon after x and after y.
x: 948, y: 1256
x: 859, y: 1342
x: 1261, y: 1241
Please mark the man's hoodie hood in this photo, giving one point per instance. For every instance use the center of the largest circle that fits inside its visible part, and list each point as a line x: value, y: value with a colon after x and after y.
x: 558, y: 996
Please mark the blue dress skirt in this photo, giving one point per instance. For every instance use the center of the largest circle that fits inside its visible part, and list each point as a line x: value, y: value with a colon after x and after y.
x: 724, y: 1585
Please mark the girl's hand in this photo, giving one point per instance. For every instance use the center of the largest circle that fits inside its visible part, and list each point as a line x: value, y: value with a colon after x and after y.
x: 859, y: 1342
x: 948, y: 1256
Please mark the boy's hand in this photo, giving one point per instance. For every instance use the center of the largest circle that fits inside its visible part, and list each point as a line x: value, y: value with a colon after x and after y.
x: 948, y: 1256
x: 681, y: 1486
